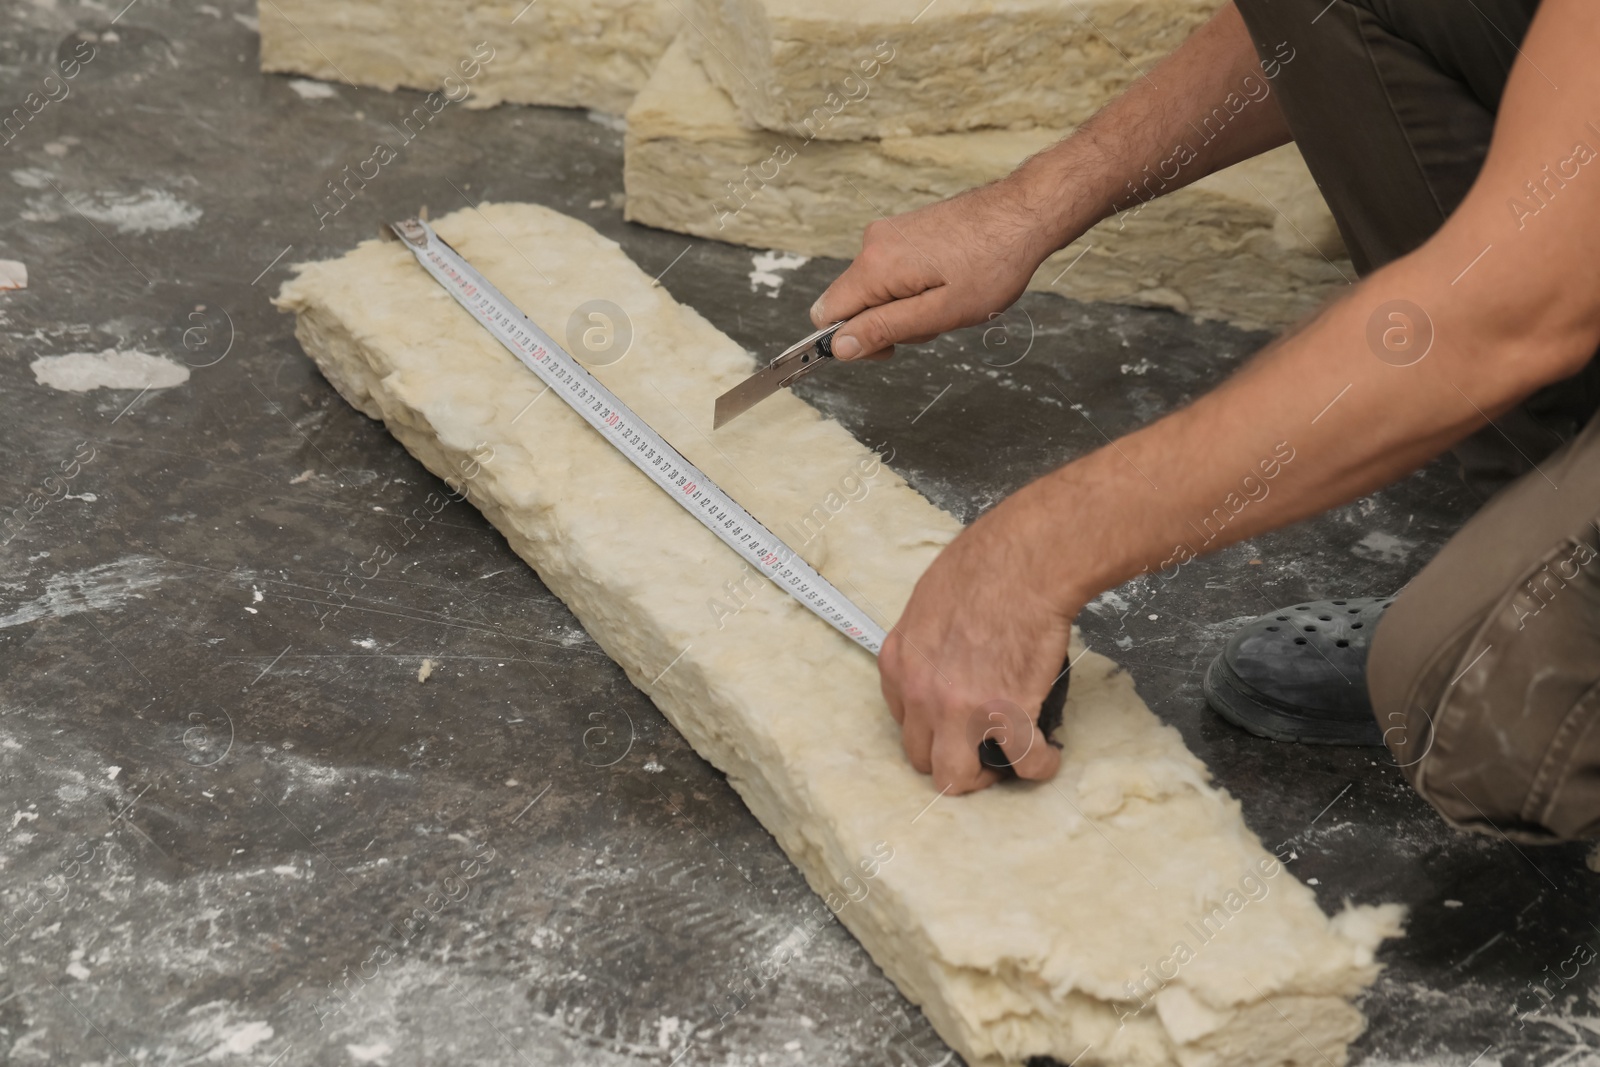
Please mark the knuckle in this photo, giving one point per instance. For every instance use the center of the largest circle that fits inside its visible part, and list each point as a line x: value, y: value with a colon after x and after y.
x: 916, y: 697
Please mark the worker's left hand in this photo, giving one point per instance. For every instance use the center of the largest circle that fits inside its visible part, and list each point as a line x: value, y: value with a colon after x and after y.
x: 977, y: 649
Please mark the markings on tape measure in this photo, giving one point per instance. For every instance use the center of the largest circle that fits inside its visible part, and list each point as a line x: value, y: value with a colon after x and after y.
x: 635, y: 439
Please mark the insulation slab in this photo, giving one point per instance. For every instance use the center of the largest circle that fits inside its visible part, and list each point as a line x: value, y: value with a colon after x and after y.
x: 1253, y: 245
x: 568, y: 53
x: 1120, y: 914
x: 843, y: 69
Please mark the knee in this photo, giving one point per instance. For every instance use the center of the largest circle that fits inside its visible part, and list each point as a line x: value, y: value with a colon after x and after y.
x: 1488, y: 724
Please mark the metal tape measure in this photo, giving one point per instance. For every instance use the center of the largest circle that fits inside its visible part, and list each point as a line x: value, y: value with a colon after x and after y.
x: 634, y: 438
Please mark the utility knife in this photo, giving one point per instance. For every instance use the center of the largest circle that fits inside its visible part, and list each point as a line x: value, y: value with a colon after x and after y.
x: 792, y: 364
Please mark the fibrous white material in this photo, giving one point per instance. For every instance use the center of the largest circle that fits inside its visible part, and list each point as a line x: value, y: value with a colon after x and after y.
x: 569, y: 53
x: 1119, y: 914
x: 1254, y: 245
x: 912, y: 67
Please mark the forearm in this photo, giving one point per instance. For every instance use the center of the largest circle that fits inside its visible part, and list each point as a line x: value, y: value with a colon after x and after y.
x: 1315, y: 421
x: 1205, y: 107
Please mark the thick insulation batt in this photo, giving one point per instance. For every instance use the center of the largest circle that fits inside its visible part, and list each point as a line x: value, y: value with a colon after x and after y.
x: 840, y: 69
x: 568, y: 53
x: 1120, y: 914
x: 1254, y: 245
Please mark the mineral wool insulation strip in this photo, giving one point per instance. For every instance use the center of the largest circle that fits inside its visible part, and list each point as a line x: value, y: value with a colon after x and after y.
x: 1254, y: 245
x: 1121, y: 914
x: 570, y: 53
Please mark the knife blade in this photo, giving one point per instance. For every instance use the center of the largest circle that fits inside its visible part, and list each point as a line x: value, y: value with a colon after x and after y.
x: 790, y: 365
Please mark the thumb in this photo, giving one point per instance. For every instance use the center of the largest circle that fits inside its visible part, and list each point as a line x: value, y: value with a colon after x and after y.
x: 879, y: 329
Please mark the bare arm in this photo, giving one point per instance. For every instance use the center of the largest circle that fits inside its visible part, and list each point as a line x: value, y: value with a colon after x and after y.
x: 954, y: 263
x: 1513, y: 300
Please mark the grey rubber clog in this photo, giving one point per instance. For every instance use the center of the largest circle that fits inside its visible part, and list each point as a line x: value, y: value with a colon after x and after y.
x: 1300, y: 674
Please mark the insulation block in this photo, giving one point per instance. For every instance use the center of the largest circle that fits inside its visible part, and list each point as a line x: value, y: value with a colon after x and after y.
x: 843, y: 69
x: 1253, y: 245
x: 569, y: 53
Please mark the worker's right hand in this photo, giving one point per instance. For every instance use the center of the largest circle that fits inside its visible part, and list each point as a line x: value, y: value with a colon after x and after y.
x: 952, y: 264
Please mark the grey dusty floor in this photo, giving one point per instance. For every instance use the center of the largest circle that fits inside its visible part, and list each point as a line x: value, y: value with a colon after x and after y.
x: 224, y: 799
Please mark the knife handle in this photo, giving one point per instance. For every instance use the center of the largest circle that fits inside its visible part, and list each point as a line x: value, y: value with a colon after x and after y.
x: 809, y: 359
x: 990, y: 754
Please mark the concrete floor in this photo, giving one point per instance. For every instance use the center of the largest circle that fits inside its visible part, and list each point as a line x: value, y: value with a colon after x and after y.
x: 222, y: 800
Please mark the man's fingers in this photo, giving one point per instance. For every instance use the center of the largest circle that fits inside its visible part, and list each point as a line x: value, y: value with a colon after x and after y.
x: 1036, y: 758
x: 956, y: 767
x: 917, y: 739
x: 880, y: 328
x: 1017, y: 733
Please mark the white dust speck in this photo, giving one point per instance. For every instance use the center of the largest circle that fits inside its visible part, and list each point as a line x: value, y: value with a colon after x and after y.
x: 87, y: 498
x: 78, y: 372
x: 92, y: 589
x: 373, y: 1053
x: 32, y: 177
x: 1452, y: 904
x: 239, y: 1040
x: 13, y: 274
x: 1110, y: 602
x: 767, y: 266
x: 608, y: 120
x: 249, y: 22
x: 1141, y: 368
x: 31, y: 816
x: 148, y: 210
x: 303, y: 477
x: 256, y: 595
x: 366, y: 642
x: 652, y: 766
x: 425, y: 671
x: 667, y: 1028
x: 1152, y: 618
x: 594, y: 204
x: 1380, y: 547
x: 112, y: 772
x: 306, y: 89
x: 72, y: 792
x: 78, y: 971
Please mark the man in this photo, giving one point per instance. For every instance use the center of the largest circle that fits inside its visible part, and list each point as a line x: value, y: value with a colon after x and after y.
x: 1457, y: 147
